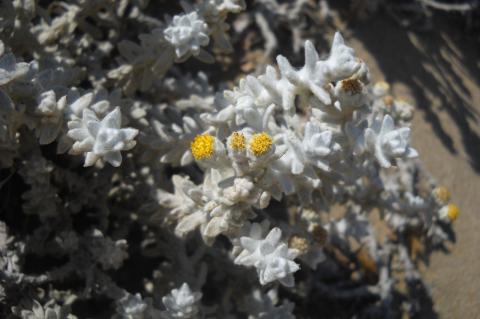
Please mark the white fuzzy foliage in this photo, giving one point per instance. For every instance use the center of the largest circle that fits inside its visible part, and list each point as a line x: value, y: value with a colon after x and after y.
x: 227, y: 5
x: 312, y: 150
x: 182, y: 303
x: 51, y: 113
x: 49, y: 311
x: 316, y: 131
x: 341, y: 62
x: 271, y: 257
x: 187, y: 33
x: 265, y: 306
x: 316, y: 73
x: 213, y: 209
x: 131, y: 307
x: 11, y: 70
x: 387, y: 142
x: 101, y: 139
x: 134, y: 307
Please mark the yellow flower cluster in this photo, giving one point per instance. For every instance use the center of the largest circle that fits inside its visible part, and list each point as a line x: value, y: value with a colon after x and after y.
x: 260, y: 143
x: 237, y: 141
x: 452, y: 212
x: 203, y: 146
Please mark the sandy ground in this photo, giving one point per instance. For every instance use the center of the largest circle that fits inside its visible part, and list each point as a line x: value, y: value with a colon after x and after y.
x: 438, y: 72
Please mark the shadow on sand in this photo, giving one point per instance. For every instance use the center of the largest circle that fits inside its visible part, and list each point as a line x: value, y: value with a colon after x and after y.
x: 440, y: 66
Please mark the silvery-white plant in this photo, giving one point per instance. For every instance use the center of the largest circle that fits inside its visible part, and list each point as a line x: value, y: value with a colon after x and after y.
x: 187, y: 34
x: 257, y: 195
x: 272, y: 258
x: 263, y: 305
x: 48, y: 311
x: 182, y: 303
x: 180, y: 37
x: 101, y: 139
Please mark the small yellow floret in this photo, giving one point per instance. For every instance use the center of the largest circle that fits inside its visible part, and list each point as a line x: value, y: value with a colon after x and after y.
x: 203, y: 146
x: 453, y: 212
x: 442, y: 194
x: 237, y: 141
x: 260, y: 143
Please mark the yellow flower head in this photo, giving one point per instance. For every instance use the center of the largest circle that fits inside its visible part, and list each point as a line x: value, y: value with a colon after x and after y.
x: 237, y: 141
x: 203, y: 146
x: 452, y: 212
x: 260, y: 143
x: 442, y: 194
